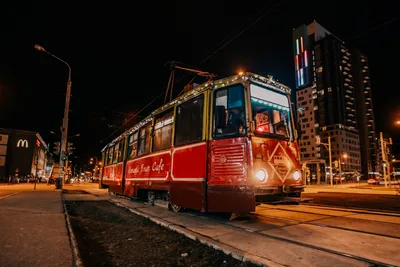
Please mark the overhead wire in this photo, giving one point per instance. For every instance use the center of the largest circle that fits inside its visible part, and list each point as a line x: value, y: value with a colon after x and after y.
x: 229, y: 40
x: 374, y: 28
x: 242, y: 31
x: 169, y: 90
x: 133, y: 116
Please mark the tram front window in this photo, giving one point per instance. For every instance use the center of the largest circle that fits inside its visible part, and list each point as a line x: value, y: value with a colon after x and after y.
x: 229, y: 112
x: 270, y: 111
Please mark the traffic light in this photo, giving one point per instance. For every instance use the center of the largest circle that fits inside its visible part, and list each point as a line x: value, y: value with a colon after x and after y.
x: 56, y: 148
x: 336, y: 164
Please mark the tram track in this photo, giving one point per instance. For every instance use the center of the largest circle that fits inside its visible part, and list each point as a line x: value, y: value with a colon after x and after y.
x: 293, y: 222
x: 356, y: 209
x: 355, y: 257
x: 298, y: 222
x: 287, y: 222
x: 315, y: 222
x: 352, y: 211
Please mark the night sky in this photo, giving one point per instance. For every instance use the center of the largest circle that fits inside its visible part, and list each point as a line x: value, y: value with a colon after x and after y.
x: 118, y: 53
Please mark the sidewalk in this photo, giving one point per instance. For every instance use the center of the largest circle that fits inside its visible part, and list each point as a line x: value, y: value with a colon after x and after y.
x: 33, y: 230
x: 361, y: 188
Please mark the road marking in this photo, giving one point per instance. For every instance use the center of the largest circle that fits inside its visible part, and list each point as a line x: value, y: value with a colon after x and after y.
x: 10, y: 195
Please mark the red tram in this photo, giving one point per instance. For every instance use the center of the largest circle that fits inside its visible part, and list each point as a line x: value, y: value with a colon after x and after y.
x: 224, y: 146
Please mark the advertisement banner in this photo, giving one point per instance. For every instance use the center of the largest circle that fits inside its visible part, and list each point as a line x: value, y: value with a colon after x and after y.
x: 156, y: 166
x: 109, y: 173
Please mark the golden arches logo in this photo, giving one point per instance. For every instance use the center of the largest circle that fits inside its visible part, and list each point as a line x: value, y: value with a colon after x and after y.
x: 22, y: 143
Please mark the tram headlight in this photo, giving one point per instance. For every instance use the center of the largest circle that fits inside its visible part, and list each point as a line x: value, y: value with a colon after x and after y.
x: 261, y: 175
x: 296, y: 175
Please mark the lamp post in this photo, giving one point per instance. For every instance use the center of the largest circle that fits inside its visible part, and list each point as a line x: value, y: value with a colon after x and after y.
x: 328, y: 146
x: 64, y: 128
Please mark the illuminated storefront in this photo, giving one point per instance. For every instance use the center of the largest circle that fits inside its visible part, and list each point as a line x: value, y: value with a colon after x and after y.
x: 22, y: 153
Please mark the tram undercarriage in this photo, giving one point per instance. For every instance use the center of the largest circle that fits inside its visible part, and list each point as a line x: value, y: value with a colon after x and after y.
x: 263, y: 195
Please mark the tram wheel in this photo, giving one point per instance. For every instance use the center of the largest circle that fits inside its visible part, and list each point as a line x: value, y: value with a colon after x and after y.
x: 176, y: 208
x: 151, y: 197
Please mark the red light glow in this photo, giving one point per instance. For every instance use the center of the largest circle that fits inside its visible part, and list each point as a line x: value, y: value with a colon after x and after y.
x: 302, y: 44
x: 305, y: 58
x: 260, y: 129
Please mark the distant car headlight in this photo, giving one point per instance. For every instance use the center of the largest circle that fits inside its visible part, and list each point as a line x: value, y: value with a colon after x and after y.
x: 261, y: 175
x: 296, y: 175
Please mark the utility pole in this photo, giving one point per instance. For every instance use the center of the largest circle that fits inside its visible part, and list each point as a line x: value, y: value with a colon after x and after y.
x: 64, y: 128
x: 64, y: 135
x: 340, y: 171
x: 330, y: 159
x: 388, y: 164
x: 36, y: 171
x: 384, y: 160
x: 304, y: 169
x: 328, y: 146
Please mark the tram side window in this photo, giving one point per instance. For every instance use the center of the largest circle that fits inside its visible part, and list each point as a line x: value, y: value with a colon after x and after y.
x: 189, y: 121
x: 121, y: 150
x: 132, y: 147
x: 163, y: 131
x: 144, y: 139
x: 116, y: 152
x: 110, y: 155
x: 106, y: 156
x: 229, y: 112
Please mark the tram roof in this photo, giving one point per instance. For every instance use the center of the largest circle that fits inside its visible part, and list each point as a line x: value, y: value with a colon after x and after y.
x: 268, y: 82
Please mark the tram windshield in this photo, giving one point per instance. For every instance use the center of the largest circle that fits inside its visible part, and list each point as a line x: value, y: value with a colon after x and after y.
x: 270, y: 112
x: 229, y: 112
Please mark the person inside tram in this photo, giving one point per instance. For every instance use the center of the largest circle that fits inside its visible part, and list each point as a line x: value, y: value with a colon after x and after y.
x: 281, y: 129
x: 235, y: 121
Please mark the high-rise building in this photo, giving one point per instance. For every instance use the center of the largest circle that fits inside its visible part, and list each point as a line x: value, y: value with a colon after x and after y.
x: 333, y: 100
x: 365, y: 113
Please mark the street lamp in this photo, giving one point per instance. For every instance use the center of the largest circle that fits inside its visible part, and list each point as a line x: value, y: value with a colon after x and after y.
x: 64, y: 129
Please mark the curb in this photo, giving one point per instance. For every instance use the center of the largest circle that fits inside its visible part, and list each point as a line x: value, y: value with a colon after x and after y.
x: 389, y: 193
x: 72, y: 240
x: 228, y: 250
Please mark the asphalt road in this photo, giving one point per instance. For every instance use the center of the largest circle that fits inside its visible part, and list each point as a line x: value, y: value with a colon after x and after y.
x: 363, y: 201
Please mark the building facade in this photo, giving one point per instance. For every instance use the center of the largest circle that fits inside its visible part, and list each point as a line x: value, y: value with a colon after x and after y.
x: 22, y: 153
x: 333, y: 99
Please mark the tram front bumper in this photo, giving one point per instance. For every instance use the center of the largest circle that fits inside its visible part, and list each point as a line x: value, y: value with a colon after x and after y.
x: 275, y: 190
x: 271, y: 194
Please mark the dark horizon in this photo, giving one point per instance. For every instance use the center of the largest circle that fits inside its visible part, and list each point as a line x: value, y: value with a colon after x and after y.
x: 118, y: 56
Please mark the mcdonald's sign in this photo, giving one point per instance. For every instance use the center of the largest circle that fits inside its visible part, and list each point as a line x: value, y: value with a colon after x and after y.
x: 22, y: 143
